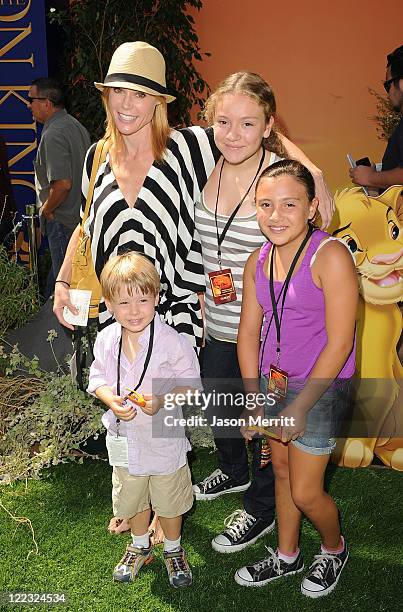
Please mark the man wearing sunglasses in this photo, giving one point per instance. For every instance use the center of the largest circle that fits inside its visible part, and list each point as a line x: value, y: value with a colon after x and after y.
x: 392, y: 161
x: 58, y: 167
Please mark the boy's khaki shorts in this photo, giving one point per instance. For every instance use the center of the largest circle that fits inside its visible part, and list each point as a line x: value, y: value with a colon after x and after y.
x: 169, y: 495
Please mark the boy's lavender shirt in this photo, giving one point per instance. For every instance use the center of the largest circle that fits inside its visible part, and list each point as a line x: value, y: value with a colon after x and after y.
x: 173, y: 363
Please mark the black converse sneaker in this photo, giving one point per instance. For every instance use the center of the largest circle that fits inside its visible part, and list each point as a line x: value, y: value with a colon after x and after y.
x: 241, y: 530
x: 217, y: 484
x: 324, y: 573
x: 266, y: 570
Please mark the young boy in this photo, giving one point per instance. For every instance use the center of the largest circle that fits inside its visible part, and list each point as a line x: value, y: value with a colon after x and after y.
x: 149, y: 458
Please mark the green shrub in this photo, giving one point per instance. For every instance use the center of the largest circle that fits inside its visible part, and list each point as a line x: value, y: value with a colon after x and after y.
x: 44, y: 417
x: 18, y: 294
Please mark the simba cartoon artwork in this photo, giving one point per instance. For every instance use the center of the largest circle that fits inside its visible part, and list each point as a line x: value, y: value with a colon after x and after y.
x: 373, y: 231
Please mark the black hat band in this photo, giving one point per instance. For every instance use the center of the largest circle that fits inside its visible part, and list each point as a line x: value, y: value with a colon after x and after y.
x: 136, y: 80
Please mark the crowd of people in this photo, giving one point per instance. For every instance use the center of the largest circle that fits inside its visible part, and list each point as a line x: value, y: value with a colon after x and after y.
x: 216, y: 275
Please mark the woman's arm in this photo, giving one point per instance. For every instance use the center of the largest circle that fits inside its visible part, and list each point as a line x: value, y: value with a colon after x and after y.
x: 248, y: 342
x: 62, y: 296
x: 326, y: 201
x: 202, y: 303
x: 337, y: 276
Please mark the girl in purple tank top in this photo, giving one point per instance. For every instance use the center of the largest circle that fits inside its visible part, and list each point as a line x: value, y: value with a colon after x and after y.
x: 302, y: 286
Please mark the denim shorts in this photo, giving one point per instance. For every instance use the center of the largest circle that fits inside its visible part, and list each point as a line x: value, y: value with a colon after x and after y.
x: 324, y: 420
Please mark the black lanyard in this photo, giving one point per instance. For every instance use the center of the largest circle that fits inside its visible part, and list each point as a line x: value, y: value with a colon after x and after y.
x: 310, y: 230
x: 267, y: 334
x: 237, y: 207
x: 146, y: 362
x: 278, y: 320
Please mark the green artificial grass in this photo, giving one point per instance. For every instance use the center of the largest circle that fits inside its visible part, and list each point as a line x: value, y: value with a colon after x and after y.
x: 70, y: 508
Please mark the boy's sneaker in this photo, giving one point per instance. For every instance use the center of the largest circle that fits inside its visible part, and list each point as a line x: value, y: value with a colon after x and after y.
x: 178, y: 569
x: 131, y: 563
x: 266, y: 570
x: 218, y: 483
x: 241, y: 530
x: 324, y: 574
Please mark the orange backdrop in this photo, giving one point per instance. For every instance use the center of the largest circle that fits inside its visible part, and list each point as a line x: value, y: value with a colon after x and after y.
x: 320, y: 58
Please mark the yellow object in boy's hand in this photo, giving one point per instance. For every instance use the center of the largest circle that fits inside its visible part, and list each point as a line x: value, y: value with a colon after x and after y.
x: 136, y: 398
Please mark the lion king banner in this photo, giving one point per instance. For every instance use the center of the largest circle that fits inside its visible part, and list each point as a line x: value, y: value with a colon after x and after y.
x: 22, y: 59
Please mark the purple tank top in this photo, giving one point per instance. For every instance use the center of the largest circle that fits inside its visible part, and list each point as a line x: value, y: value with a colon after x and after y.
x: 303, y: 330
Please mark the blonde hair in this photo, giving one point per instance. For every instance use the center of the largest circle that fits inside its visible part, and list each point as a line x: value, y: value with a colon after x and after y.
x: 252, y: 85
x: 160, y: 129
x: 131, y: 270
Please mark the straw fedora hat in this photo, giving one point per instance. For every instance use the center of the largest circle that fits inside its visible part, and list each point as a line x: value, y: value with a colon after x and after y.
x: 137, y: 65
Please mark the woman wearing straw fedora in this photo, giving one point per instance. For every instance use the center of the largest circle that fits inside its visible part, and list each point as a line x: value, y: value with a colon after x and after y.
x: 146, y: 187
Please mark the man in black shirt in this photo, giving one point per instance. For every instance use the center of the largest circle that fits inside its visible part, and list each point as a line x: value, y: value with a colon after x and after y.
x: 392, y: 161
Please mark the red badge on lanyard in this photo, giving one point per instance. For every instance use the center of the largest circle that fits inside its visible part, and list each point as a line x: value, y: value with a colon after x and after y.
x: 222, y: 286
x: 278, y: 381
x: 222, y: 281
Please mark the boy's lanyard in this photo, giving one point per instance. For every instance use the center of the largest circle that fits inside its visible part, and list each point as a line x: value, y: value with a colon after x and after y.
x: 220, y: 239
x: 146, y: 362
x: 278, y: 320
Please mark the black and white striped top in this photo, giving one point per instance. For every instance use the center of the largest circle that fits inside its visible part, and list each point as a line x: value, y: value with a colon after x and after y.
x: 160, y: 225
x: 242, y: 238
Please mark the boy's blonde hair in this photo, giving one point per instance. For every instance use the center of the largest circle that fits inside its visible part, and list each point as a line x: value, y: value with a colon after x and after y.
x: 131, y: 270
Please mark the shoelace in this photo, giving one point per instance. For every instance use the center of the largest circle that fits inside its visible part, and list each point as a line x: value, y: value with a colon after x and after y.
x: 272, y: 559
x: 178, y: 564
x: 238, y: 522
x: 129, y: 558
x: 214, y: 479
x: 320, y: 564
